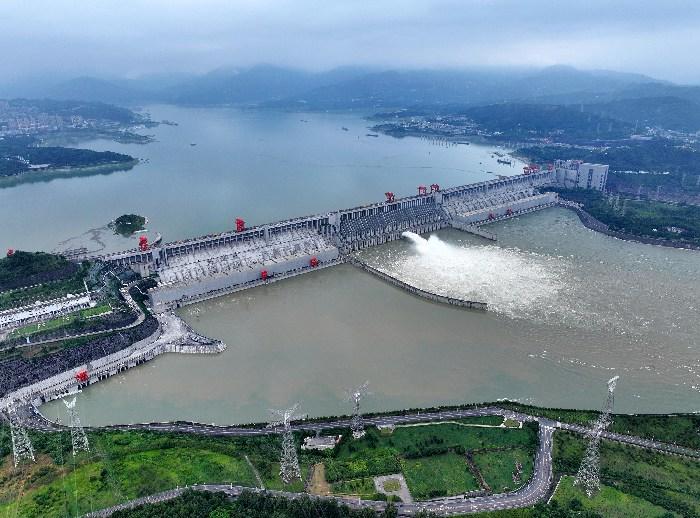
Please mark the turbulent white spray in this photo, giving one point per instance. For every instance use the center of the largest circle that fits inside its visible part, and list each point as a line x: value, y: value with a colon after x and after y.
x: 511, y: 281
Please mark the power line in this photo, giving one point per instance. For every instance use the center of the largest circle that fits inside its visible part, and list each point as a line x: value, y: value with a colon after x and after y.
x: 289, y: 462
x: 588, y: 476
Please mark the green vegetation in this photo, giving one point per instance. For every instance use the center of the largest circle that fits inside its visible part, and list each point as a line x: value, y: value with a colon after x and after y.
x: 640, y: 217
x: 362, y: 487
x: 21, y: 268
x: 431, y: 457
x: 488, y: 420
x: 672, y: 483
x: 523, y: 121
x: 127, y: 224
x: 655, y: 156
x: 124, y: 465
x: 438, y: 475
x: 609, y: 502
x: 45, y: 291
x: 63, y: 321
x: 391, y: 485
x: 497, y: 468
x: 679, y: 429
x: 249, y: 505
x: 17, y: 154
x: 121, y: 466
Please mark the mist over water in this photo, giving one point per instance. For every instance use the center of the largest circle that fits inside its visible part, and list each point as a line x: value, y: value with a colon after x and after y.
x: 513, y: 282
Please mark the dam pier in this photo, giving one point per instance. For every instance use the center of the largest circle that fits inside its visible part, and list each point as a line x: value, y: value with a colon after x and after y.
x: 197, y: 269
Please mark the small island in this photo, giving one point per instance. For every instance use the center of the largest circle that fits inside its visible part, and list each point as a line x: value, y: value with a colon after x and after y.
x: 127, y: 224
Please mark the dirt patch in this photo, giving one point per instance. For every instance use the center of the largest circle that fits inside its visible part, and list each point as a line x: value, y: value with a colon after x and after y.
x: 318, y: 485
x: 15, y: 481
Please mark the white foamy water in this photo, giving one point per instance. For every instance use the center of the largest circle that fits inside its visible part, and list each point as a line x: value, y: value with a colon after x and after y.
x: 513, y: 282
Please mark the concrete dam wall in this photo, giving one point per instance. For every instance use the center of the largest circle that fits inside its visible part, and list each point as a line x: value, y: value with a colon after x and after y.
x: 196, y: 269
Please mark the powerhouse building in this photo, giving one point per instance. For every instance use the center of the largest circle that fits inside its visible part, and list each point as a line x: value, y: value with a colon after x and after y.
x: 575, y: 174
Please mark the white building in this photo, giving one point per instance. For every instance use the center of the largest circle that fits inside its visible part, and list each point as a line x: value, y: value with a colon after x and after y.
x: 573, y: 174
x: 41, y: 311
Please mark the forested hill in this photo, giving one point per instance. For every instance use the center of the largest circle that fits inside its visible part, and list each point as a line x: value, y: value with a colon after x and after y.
x: 668, y: 112
x: 67, y: 109
x: 19, y: 154
x: 522, y: 121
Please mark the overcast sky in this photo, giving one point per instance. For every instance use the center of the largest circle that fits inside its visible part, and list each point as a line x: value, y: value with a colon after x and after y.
x: 130, y: 38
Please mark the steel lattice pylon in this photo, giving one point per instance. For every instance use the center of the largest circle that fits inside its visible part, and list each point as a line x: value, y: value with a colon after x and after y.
x: 22, y: 448
x: 588, y: 476
x: 77, y: 434
x: 357, y: 424
x: 289, y: 462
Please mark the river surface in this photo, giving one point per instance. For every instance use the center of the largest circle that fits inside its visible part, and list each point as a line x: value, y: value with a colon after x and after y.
x: 569, y: 308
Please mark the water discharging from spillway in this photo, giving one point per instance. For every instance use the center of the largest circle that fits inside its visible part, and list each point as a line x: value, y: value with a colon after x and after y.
x: 512, y: 282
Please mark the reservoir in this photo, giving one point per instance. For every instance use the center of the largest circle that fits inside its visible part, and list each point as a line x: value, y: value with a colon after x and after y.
x: 570, y: 308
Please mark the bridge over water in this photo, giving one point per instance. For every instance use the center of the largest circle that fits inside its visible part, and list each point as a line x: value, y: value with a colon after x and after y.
x: 191, y: 270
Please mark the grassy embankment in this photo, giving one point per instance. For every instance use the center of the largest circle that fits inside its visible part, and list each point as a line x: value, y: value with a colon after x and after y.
x: 647, y: 218
x: 681, y: 429
x: 59, y: 322
x: 126, y: 465
x: 644, y: 478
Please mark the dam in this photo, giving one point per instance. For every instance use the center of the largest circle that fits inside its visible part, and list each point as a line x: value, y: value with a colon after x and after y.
x: 197, y: 269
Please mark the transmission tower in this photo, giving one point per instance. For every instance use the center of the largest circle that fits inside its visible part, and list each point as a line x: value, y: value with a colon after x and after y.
x: 289, y: 462
x: 77, y: 434
x: 22, y: 448
x: 354, y: 396
x: 588, y: 476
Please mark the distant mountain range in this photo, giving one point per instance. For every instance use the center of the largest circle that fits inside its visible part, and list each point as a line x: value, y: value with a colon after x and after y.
x: 635, y: 99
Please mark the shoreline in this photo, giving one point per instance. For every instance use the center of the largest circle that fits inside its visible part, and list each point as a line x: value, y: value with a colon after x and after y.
x: 46, y: 175
x: 592, y: 223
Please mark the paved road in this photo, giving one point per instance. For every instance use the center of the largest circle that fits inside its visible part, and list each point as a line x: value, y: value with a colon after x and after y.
x: 534, y: 491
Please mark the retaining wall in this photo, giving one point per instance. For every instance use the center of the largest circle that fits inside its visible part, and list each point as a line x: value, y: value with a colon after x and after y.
x: 417, y: 291
x: 595, y: 224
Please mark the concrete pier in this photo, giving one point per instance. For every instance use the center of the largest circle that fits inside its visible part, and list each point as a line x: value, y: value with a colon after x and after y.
x: 443, y: 299
x: 172, y: 335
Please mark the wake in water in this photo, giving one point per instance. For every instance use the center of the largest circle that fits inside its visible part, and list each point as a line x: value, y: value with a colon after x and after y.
x: 512, y: 282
